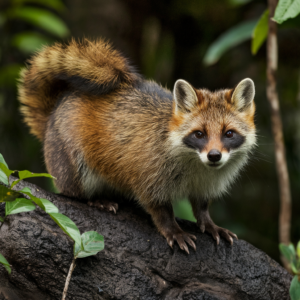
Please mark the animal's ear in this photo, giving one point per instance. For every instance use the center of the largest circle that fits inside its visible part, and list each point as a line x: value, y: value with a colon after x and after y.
x: 185, y: 96
x: 243, y: 95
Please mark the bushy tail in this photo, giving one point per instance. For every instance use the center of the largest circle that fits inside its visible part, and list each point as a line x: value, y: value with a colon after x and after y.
x: 91, y: 67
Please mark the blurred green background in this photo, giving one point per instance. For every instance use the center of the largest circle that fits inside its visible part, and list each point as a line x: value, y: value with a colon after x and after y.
x: 167, y: 40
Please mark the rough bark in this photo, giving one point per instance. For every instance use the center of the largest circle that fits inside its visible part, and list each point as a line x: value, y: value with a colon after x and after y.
x: 281, y: 164
x: 136, y: 263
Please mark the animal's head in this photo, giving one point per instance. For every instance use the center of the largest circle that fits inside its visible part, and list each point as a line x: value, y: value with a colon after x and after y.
x: 218, y: 126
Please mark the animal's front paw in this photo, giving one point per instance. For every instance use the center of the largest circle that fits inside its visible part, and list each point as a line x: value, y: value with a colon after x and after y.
x: 104, y: 205
x: 182, y: 239
x: 217, y: 231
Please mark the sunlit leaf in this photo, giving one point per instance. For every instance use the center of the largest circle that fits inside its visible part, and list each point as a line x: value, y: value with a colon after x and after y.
x: 44, y: 204
x: 91, y: 243
x: 18, y: 206
x: 67, y: 225
x: 55, y: 4
x: 7, y: 195
x: 260, y: 32
x: 298, y: 249
x: 229, y: 39
x: 40, y: 18
x: 2, y: 160
x: 295, y: 288
x: 28, y: 174
x: 5, y: 263
x: 288, y: 252
x: 3, y: 176
x: 286, y: 9
x: 5, y: 173
x: 29, y: 42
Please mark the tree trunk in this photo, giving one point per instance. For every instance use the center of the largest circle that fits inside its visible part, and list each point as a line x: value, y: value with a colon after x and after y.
x: 281, y: 164
x: 136, y: 262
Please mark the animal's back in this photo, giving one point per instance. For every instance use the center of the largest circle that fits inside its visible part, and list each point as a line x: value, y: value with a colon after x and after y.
x: 117, y: 139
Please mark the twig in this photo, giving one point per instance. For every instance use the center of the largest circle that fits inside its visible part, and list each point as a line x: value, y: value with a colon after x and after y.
x: 72, y: 267
x: 281, y: 165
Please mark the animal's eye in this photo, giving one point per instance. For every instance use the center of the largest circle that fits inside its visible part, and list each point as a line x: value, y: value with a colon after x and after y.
x: 229, y: 134
x: 199, y: 134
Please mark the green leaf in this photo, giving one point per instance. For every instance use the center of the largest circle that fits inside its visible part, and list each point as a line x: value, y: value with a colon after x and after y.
x: 229, y: 39
x: 286, y: 9
x: 67, y: 225
x: 298, y: 249
x: 260, y: 32
x: 5, y: 173
x: 3, y: 177
x: 2, y: 160
x: 41, y: 18
x: 18, y: 206
x: 44, y: 204
x: 28, y: 174
x: 1, y: 220
x: 91, y: 243
x: 295, y: 289
x: 7, y: 195
x: 288, y: 252
x: 5, y: 263
x: 29, y: 42
x: 55, y: 4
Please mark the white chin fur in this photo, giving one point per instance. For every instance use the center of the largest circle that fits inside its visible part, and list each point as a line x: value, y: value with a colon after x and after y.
x: 219, y: 164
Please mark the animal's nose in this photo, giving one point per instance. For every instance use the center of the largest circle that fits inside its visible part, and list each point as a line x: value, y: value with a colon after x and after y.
x: 214, y: 155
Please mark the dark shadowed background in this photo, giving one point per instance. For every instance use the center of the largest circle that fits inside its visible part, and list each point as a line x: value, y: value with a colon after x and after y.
x: 167, y: 40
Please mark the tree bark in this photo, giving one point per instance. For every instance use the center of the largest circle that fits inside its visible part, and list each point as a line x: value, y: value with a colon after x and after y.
x: 136, y: 262
x: 281, y: 164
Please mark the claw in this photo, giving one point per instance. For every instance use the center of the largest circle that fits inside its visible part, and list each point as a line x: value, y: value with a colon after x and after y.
x: 192, y: 244
x: 231, y: 240
x: 218, y: 240
x: 170, y: 242
x: 185, y: 248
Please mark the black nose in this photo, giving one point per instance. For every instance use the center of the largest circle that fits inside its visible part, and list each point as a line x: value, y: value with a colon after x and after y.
x: 214, y: 155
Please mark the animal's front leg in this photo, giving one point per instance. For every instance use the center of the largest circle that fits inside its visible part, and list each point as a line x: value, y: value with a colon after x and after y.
x: 163, y: 218
x: 204, y: 221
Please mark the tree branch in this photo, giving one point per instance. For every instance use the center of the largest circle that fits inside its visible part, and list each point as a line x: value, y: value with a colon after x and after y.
x: 136, y: 263
x: 281, y: 164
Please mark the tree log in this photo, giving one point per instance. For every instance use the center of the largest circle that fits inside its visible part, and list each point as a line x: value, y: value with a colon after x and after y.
x: 136, y: 263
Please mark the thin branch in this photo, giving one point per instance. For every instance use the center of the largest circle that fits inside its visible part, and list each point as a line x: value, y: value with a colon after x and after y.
x: 281, y: 164
x: 72, y: 267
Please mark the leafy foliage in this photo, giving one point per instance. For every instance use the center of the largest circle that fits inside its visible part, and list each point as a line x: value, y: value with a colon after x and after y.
x: 260, y: 32
x: 293, y: 257
x: 91, y: 243
x: 67, y: 225
x: 5, y: 263
x: 286, y: 9
x: 40, y: 18
x: 295, y: 288
x: 229, y: 39
x: 18, y: 206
